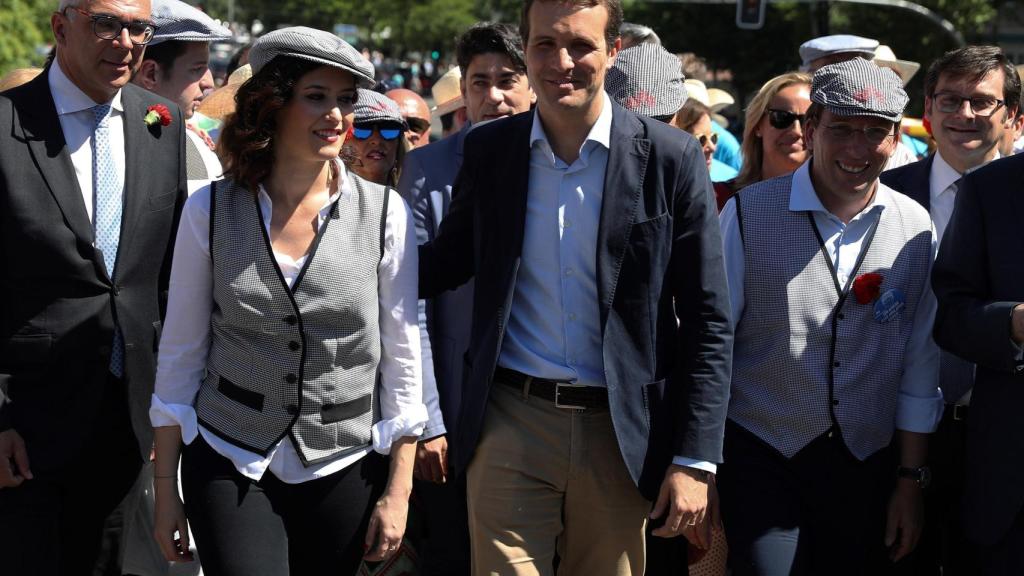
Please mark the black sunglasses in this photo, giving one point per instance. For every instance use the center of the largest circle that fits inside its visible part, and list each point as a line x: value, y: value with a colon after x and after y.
x: 782, y: 119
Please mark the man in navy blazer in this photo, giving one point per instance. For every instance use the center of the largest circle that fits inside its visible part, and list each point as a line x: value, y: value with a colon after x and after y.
x: 980, y: 290
x: 601, y: 341
x: 493, y: 85
x: 972, y: 98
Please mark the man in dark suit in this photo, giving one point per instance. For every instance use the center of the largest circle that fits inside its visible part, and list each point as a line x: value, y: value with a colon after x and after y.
x: 494, y: 85
x: 599, y: 357
x: 91, y: 184
x: 972, y: 100
x: 980, y: 290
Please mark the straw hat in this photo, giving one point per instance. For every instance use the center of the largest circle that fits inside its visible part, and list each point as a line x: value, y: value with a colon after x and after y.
x: 221, y: 102
x: 885, y: 57
x: 447, y: 93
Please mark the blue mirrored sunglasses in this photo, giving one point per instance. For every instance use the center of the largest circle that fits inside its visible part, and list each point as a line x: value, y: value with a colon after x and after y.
x: 385, y: 133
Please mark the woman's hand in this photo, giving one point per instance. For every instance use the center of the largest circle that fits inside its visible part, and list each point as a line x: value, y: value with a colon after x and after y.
x: 169, y: 517
x: 387, y: 526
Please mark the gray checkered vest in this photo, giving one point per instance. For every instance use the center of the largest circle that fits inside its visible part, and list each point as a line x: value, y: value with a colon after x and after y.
x: 302, y: 361
x: 807, y: 359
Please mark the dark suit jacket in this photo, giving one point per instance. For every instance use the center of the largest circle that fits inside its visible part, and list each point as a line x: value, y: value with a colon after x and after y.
x: 59, y: 307
x: 664, y: 305
x: 978, y: 279
x: 913, y: 180
x: 426, y: 184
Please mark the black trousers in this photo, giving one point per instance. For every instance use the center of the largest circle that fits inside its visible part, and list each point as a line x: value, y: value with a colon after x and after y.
x: 269, y: 528
x: 444, y: 549
x: 69, y: 522
x: 820, y: 512
x: 1006, y: 557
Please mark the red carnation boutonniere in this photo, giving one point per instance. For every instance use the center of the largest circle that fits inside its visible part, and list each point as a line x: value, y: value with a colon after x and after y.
x: 157, y: 114
x: 867, y: 287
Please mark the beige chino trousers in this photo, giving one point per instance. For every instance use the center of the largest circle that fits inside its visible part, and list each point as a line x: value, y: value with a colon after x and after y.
x: 547, y: 480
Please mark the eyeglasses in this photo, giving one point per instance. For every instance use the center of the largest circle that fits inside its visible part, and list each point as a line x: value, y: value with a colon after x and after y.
x: 703, y: 139
x: 875, y: 135
x: 948, y: 103
x: 782, y: 119
x: 109, y: 28
x: 418, y: 125
x: 366, y: 131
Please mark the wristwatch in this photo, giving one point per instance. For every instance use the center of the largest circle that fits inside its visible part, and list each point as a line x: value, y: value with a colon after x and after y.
x: 922, y: 475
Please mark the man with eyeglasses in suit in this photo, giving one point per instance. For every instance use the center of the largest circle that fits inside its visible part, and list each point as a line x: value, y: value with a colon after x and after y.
x: 828, y: 276
x: 92, y: 182
x: 972, y: 100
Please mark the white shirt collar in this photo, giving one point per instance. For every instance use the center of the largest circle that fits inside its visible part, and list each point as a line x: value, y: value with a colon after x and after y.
x: 803, y: 198
x: 69, y: 98
x: 600, y: 132
x: 941, y: 176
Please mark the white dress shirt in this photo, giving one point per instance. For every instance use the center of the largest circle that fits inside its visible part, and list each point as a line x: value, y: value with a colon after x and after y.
x: 942, y: 193
x: 214, y: 171
x: 919, y: 403
x: 185, y: 342
x: 74, y: 109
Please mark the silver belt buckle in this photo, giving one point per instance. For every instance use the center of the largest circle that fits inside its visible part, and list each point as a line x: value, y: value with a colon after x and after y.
x: 558, y: 395
x: 959, y: 412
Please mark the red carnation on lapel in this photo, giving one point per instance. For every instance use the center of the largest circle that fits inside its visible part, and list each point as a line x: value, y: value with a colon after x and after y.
x: 158, y: 113
x: 867, y: 287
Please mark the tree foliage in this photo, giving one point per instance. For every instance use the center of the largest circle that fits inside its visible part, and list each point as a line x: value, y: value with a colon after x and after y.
x: 24, y: 28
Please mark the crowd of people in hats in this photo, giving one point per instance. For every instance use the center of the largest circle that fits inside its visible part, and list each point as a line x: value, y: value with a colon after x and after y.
x: 272, y: 328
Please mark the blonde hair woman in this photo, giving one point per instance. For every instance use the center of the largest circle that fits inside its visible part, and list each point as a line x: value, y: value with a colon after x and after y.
x: 773, y: 139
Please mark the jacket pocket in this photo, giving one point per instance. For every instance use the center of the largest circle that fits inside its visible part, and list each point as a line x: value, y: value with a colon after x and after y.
x: 331, y: 413
x: 244, y: 397
x: 24, y: 350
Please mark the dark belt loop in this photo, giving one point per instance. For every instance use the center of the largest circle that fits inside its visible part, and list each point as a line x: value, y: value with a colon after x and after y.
x: 526, y: 387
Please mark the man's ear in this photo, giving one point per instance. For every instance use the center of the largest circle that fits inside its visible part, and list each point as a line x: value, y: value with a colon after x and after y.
x: 59, y: 23
x: 928, y: 108
x: 148, y: 75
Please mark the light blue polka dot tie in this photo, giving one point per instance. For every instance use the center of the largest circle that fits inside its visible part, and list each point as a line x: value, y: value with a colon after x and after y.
x: 107, y: 190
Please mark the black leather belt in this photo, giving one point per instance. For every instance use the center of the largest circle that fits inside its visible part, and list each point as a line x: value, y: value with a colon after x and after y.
x: 563, y: 394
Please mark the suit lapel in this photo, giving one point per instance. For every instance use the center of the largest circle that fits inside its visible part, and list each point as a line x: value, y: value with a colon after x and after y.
x: 510, y: 199
x: 40, y: 127
x: 137, y: 154
x: 918, y: 183
x: 623, y: 186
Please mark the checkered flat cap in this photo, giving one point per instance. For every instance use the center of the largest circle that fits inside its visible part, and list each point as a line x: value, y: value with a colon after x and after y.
x: 859, y: 88
x: 313, y: 45
x: 836, y: 44
x: 176, y: 20
x: 373, y: 107
x: 648, y: 80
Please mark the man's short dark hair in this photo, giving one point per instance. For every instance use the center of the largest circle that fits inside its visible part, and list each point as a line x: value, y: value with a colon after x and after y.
x: 490, y: 38
x: 611, y: 30
x: 165, y: 53
x: 973, y: 63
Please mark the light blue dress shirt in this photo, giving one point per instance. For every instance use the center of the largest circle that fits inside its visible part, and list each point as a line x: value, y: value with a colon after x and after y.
x: 919, y: 404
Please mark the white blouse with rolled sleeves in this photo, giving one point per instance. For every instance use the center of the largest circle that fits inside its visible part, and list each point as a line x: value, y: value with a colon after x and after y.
x: 185, y: 342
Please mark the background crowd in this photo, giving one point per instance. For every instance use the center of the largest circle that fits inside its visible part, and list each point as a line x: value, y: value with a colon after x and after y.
x: 566, y: 306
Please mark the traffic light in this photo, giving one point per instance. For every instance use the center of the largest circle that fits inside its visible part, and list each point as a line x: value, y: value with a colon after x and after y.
x: 750, y: 14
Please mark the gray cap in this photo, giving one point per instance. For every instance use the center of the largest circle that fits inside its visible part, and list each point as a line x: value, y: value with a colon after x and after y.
x: 313, y: 45
x: 836, y: 44
x: 176, y: 20
x: 648, y: 80
x: 859, y: 88
x: 374, y: 107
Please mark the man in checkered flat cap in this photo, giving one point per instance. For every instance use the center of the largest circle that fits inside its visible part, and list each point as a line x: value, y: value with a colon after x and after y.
x: 828, y: 278
x: 176, y: 66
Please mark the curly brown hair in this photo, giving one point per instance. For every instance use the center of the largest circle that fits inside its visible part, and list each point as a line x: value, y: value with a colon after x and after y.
x: 246, y: 145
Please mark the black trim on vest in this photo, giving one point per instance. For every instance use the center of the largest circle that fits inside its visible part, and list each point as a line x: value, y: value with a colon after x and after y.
x: 384, y: 219
x: 739, y: 217
x: 244, y: 397
x: 331, y: 413
x: 234, y: 441
x: 312, y: 249
x: 843, y: 292
x: 213, y: 209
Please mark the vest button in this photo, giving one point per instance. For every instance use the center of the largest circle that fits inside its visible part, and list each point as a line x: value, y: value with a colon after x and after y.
x: 292, y: 409
x: 836, y: 364
x: 835, y: 402
x: 293, y: 346
x: 290, y: 320
x: 290, y: 378
x: 841, y: 316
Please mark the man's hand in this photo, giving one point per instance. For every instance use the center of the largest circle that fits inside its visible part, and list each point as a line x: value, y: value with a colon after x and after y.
x: 906, y: 513
x: 432, y: 460
x: 691, y: 504
x: 13, y: 460
x: 1017, y: 324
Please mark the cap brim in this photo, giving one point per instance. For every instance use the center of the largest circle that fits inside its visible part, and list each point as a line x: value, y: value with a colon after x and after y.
x: 448, y: 106
x: 362, y: 80
x: 850, y: 112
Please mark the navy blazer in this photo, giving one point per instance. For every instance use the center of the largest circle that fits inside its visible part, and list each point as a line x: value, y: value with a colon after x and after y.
x: 428, y: 174
x: 664, y: 304
x: 913, y: 180
x: 978, y: 279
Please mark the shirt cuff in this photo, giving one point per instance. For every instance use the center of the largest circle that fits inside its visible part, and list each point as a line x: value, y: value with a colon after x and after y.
x: 181, y: 415
x: 409, y: 423
x: 433, y: 430
x: 916, y: 414
x: 698, y: 464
